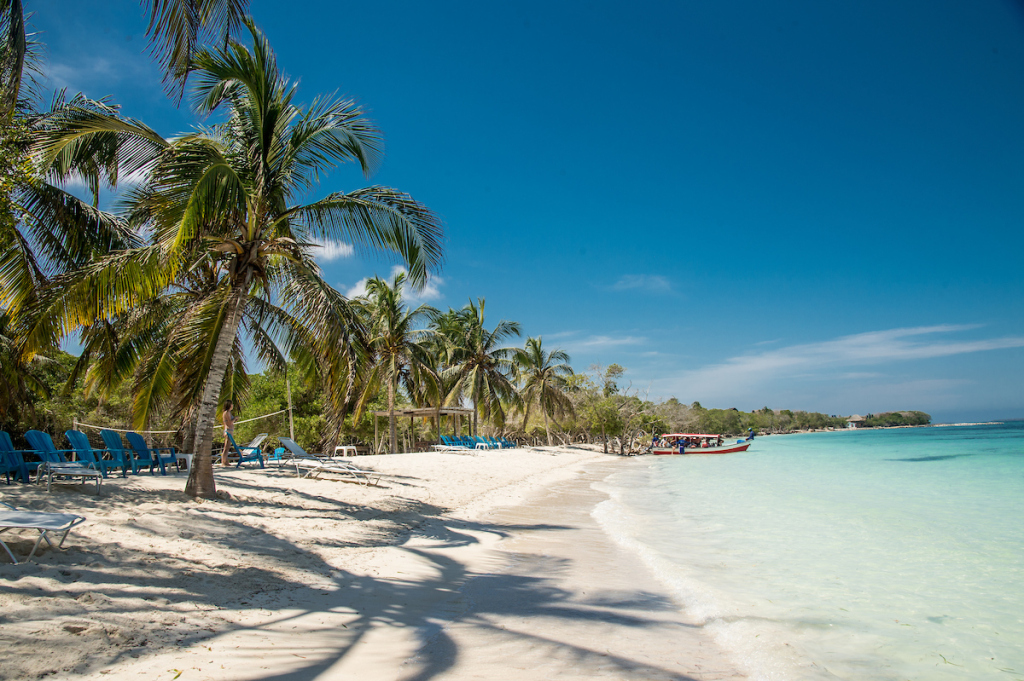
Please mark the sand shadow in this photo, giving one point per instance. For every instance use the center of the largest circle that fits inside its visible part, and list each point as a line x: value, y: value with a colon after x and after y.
x: 122, y: 583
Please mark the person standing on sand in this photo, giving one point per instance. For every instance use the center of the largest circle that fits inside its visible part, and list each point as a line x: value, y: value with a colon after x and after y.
x: 229, y: 428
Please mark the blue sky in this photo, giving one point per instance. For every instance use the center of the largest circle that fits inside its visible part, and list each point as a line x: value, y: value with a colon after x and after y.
x: 806, y: 205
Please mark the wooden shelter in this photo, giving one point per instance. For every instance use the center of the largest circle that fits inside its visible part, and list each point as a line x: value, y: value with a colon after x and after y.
x: 454, y: 414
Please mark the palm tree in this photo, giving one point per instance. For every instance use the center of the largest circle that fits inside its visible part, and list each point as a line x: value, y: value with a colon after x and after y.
x: 480, y: 366
x: 45, y: 231
x: 225, y: 195
x: 177, y: 29
x: 397, y: 357
x: 544, y: 377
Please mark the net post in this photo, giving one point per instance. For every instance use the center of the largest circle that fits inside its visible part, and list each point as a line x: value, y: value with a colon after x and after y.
x: 291, y: 420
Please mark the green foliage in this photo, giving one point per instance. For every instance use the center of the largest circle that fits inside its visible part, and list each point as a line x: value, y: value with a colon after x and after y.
x: 898, y: 418
x: 734, y: 422
x: 610, y: 379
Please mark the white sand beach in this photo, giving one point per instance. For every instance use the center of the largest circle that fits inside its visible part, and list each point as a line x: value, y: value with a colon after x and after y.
x: 457, y: 566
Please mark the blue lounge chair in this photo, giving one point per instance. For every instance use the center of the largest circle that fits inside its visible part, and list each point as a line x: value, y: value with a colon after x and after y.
x: 13, y: 459
x: 55, y: 464
x: 448, y: 444
x: 249, y: 453
x: 151, y: 456
x: 117, y: 449
x: 8, y: 465
x: 80, y: 444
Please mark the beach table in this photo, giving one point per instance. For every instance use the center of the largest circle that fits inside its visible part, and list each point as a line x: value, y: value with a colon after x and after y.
x: 346, y: 450
x: 45, y: 523
x: 68, y: 469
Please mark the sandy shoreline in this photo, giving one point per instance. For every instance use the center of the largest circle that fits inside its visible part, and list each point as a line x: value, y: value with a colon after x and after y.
x: 303, y: 579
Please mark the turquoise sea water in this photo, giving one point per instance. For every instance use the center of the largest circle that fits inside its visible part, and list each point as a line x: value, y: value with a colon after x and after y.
x: 880, y: 554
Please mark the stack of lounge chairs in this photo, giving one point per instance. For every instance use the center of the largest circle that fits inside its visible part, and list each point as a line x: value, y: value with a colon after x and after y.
x: 464, y: 442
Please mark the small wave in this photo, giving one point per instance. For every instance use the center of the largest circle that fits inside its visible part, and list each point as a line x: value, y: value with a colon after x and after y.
x: 952, y: 425
x: 758, y: 647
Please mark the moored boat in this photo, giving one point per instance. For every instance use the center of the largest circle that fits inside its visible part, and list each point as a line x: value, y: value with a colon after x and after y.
x: 698, y: 443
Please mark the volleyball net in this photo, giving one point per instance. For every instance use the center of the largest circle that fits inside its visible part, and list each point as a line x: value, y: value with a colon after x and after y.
x: 81, y: 424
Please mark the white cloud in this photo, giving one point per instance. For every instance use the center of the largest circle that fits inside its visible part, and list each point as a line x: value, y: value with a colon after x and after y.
x: 330, y: 250
x: 601, y: 342
x: 610, y: 341
x: 358, y: 290
x: 737, y: 375
x: 652, y: 283
x: 430, y: 291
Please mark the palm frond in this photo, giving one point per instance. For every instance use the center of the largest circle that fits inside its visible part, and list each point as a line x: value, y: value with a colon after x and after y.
x: 178, y: 27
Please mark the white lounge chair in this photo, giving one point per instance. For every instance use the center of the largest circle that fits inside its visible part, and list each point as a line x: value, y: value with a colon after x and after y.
x: 310, y: 466
x: 13, y: 519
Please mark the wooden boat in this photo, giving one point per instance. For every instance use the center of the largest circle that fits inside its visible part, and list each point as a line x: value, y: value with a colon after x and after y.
x: 672, y: 444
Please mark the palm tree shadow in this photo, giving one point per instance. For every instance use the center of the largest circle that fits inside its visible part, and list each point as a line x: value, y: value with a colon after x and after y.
x: 530, y: 591
x: 521, y: 596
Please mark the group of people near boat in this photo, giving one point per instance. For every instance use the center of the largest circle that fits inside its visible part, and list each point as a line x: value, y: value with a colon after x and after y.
x: 689, y: 442
x: 692, y: 441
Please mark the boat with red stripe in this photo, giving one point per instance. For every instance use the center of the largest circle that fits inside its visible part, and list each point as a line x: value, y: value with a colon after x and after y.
x: 698, y: 443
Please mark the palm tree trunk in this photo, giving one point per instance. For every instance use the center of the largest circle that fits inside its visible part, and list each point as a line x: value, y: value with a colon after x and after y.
x: 547, y: 428
x: 200, y: 477
x: 526, y: 419
x: 391, y: 416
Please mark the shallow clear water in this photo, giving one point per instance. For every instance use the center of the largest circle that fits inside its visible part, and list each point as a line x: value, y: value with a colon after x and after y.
x: 879, y: 554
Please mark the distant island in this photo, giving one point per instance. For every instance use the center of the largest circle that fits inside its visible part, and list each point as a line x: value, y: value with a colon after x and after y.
x: 684, y: 418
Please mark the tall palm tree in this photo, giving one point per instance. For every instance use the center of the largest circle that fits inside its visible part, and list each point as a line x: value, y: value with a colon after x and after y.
x: 227, y: 194
x: 543, y: 375
x: 482, y: 368
x: 397, y: 356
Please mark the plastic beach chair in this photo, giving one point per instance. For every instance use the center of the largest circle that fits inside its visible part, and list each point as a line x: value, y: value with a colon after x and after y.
x: 448, y: 445
x: 12, y: 459
x: 8, y: 465
x: 250, y: 452
x: 315, y: 466
x: 55, y: 465
x: 13, y: 519
x: 86, y: 454
x: 151, y: 456
x: 117, y: 449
